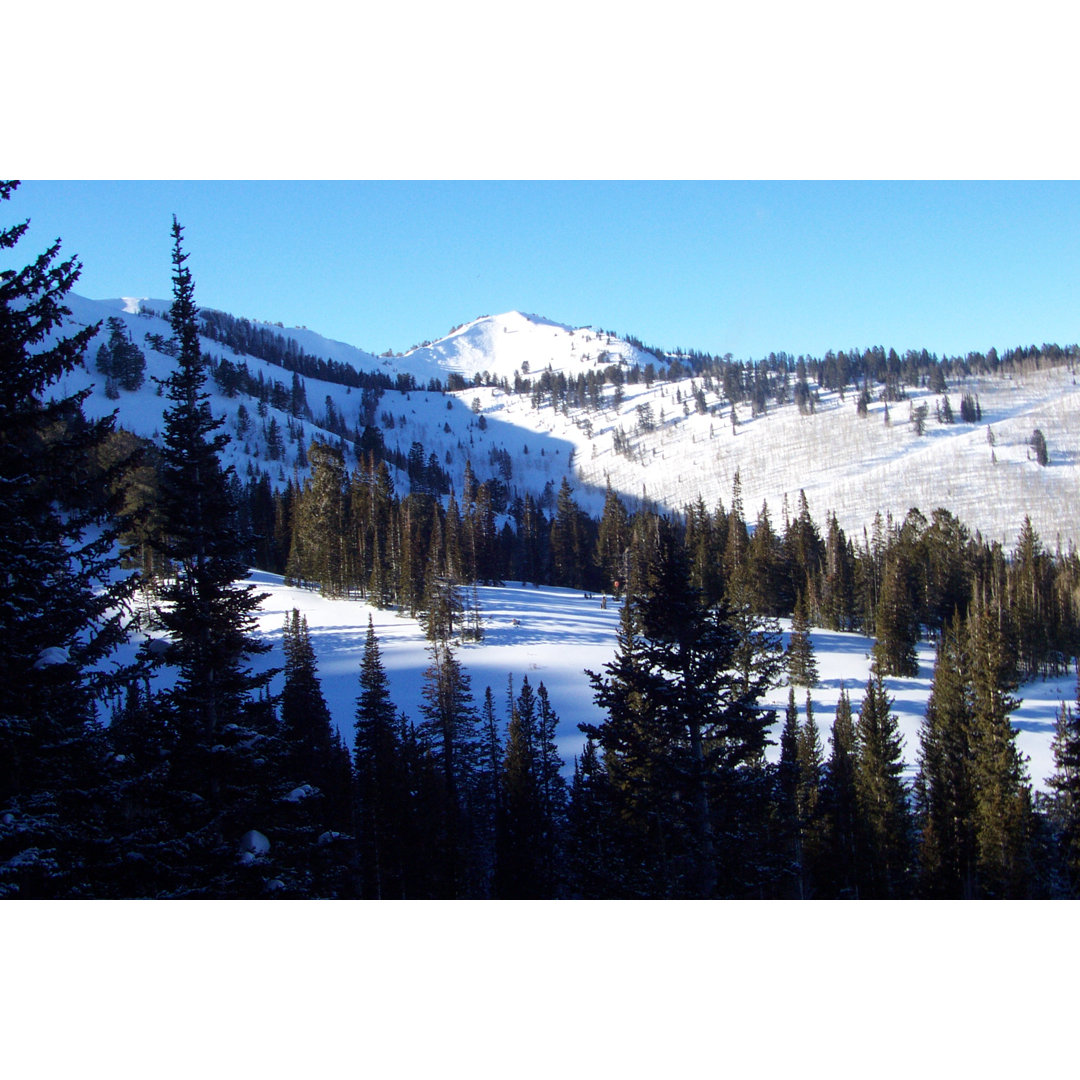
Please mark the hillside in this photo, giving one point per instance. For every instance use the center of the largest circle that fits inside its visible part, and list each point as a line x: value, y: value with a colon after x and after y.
x: 667, y: 443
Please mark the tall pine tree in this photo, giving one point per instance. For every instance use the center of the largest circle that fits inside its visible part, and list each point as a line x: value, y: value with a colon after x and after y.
x: 59, y: 615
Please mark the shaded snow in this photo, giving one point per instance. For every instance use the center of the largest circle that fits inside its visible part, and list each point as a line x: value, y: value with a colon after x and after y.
x: 554, y: 635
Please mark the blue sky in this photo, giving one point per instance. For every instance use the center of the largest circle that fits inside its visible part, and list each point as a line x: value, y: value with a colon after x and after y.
x: 729, y: 266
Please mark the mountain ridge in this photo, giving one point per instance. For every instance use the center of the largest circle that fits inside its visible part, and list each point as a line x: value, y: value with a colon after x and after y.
x: 663, y: 442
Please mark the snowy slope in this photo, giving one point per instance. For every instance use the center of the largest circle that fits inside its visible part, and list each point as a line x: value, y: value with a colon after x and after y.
x: 553, y: 635
x: 504, y: 344
x: 855, y: 467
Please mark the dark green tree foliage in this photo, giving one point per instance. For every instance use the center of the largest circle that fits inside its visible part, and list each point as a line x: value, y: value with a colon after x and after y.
x: 383, y: 807
x: 450, y: 727
x: 613, y: 540
x: 767, y: 577
x: 840, y: 874
x: 318, y: 551
x: 570, y: 542
x: 809, y: 804
x: 681, y: 734
x: 519, y: 835
x: 895, y: 621
x: 223, y: 753
x: 1038, y: 447
x: 532, y: 802
x: 119, y: 358
x: 801, y: 662
x: 58, y: 614
x: 1065, y: 787
x: 972, y: 793
x: 883, y: 819
x: 788, y: 792
x: 1002, y: 791
x: 944, y: 789
x: 836, y: 588
x: 593, y: 830
x: 314, y: 754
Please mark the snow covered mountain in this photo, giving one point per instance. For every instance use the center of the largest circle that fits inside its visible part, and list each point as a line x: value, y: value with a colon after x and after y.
x: 669, y: 442
x: 666, y: 442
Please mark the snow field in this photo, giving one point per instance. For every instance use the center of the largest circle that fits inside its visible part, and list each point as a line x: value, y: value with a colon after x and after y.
x: 553, y: 635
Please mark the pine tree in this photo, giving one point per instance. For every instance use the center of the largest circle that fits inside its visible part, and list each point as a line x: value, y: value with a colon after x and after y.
x: 682, y: 728
x: 788, y: 790
x: 593, y: 831
x: 883, y: 825
x: 1003, y: 811
x: 519, y: 830
x: 613, y: 538
x: 801, y: 663
x: 944, y: 787
x: 840, y: 806
x: 313, y: 748
x: 1065, y: 786
x: 809, y: 803
x: 450, y: 727
x: 317, y: 553
x: 381, y: 781
x: 895, y: 621
x: 59, y: 615
x: 120, y: 359
x: 209, y: 618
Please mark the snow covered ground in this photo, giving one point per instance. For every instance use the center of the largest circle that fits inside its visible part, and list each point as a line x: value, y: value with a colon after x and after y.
x: 554, y: 635
x: 855, y: 467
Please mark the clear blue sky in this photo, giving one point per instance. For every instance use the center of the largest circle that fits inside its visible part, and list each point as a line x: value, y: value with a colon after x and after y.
x: 731, y: 266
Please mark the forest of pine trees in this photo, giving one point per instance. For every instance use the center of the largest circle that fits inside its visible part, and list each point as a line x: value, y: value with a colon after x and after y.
x: 214, y: 788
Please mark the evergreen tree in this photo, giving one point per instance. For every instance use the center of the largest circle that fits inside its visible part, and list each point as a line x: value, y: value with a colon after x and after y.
x: 1003, y: 811
x: 840, y: 806
x: 801, y: 663
x: 450, y: 727
x: 883, y: 825
x: 593, y: 831
x: 788, y: 786
x: 1065, y: 786
x: 613, y: 539
x: 58, y: 612
x: 317, y: 553
x: 895, y: 621
x: 809, y: 803
x: 520, y: 832
x: 210, y: 620
x: 314, y: 754
x: 120, y: 359
x: 681, y: 732
x: 944, y: 788
x: 381, y: 781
